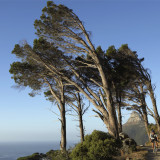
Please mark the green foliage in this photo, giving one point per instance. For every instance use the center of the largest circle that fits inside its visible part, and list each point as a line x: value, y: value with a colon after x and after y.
x: 53, y: 155
x: 99, y: 50
x: 111, y: 51
x: 58, y: 155
x: 124, y: 47
x: 35, y: 156
x: 97, y: 146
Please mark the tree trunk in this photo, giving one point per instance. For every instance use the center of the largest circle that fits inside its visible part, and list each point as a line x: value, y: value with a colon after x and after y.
x: 113, y: 123
x: 153, y: 99
x: 144, y: 109
x: 112, y: 128
x: 81, y: 126
x: 80, y: 114
x: 119, y: 117
x: 63, y: 129
x: 145, y: 118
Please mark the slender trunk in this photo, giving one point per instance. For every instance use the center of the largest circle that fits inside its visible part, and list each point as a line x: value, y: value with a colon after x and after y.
x: 119, y: 117
x: 63, y: 129
x: 153, y: 99
x: 145, y: 118
x: 80, y: 114
x: 61, y: 108
x: 144, y: 110
x: 81, y: 126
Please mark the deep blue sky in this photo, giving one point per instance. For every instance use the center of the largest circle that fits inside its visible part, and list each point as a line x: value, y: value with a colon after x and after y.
x: 136, y: 22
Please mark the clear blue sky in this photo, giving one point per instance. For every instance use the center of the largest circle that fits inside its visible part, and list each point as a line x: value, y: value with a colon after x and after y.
x: 112, y: 22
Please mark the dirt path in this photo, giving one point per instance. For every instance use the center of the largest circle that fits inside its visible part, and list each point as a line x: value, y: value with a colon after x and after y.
x: 151, y: 155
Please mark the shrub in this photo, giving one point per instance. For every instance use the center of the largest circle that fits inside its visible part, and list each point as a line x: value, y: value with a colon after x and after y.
x: 57, y: 155
x: 97, y: 146
x: 35, y: 156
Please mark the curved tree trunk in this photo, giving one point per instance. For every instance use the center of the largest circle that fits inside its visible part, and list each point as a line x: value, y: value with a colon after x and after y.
x: 153, y: 99
x: 145, y: 118
x: 144, y: 110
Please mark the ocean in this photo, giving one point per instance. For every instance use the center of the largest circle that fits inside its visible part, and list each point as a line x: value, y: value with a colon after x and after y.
x: 12, y: 151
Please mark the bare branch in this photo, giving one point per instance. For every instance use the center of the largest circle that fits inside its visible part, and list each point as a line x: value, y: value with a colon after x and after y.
x: 99, y: 114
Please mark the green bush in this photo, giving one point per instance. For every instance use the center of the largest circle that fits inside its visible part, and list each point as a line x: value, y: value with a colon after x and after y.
x: 97, y: 146
x: 35, y: 156
x: 52, y: 155
x: 57, y: 155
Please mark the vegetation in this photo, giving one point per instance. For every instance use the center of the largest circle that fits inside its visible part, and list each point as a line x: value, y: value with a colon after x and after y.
x: 35, y: 156
x: 63, y: 62
x: 58, y: 155
x: 98, y: 145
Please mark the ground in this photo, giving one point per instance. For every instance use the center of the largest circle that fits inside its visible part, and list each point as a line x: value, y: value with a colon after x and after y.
x: 151, y: 155
x: 143, y: 153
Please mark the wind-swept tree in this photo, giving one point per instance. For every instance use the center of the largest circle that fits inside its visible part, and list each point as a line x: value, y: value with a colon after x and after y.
x: 73, y: 56
x: 30, y: 72
x: 151, y: 93
x: 136, y: 100
x: 62, y: 26
x: 147, y: 82
x: 124, y: 75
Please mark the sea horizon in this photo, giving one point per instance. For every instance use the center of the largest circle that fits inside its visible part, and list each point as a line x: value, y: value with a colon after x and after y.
x: 14, y: 150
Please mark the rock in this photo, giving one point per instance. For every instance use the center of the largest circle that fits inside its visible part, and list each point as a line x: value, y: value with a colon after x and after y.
x: 123, y: 135
x: 128, y: 144
x: 134, y: 118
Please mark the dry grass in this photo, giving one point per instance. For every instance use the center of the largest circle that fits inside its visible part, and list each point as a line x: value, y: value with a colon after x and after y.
x: 140, y: 154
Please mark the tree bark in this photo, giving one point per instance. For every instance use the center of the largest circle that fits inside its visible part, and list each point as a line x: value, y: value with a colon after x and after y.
x: 81, y: 126
x: 145, y: 118
x: 61, y: 101
x: 119, y: 117
x: 113, y: 123
x: 80, y: 114
x: 153, y: 99
x: 63, y: 129
x: 144, y: 110
x: 113, y: 126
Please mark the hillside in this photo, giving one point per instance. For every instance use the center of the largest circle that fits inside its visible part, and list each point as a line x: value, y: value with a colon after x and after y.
x: 135, y: 128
